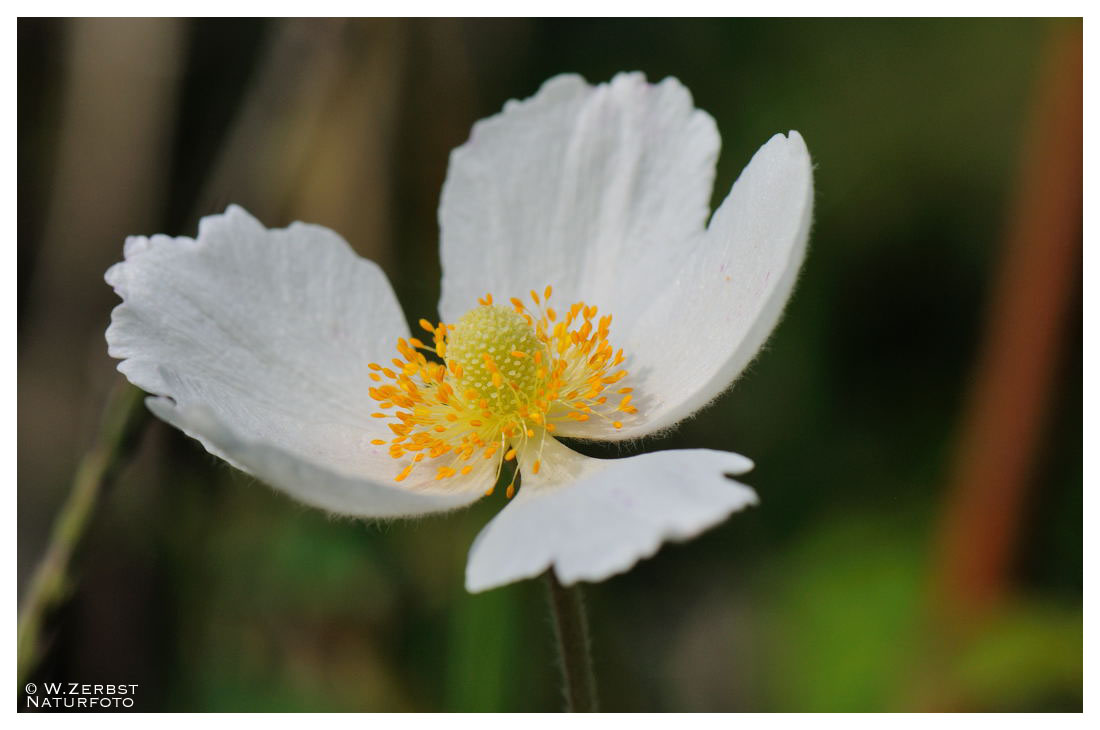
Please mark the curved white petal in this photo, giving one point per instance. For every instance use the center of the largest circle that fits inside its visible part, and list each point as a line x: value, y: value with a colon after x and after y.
x: 268, y: 333
x: 314, y: 484
x: 595, y: 190
x: 593, y: 518
x: 602, y: 192
x: 716, y: 308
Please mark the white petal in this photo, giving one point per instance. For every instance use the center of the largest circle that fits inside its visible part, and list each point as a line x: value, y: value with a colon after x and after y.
x: 268, y: 333
x: 592, y: 518
x: 711, y: 316
x: 310, y: 483
x: 602, y: 192
x: 591, y: 189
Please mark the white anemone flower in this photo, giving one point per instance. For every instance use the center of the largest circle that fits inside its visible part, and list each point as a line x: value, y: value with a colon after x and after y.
x: 276, y: 348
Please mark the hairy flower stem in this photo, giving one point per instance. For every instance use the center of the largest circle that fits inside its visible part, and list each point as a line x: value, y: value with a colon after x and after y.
x: 571, y: 630
x: 123, y: 420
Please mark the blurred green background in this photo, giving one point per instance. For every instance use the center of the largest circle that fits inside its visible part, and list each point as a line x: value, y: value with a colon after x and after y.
x: 847, y: 589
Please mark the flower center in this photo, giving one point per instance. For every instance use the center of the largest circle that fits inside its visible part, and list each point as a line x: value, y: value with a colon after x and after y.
x: 496, y: 349
x: 500, y: 380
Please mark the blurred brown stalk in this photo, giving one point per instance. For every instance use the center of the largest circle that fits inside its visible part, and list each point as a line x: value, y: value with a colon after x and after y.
x: 1013, y: 378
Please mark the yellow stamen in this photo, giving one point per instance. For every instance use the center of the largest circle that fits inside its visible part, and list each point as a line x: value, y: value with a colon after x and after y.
x: 505, y: 377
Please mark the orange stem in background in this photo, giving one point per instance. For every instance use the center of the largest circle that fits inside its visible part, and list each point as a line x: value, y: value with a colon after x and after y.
x: 1013, y: 377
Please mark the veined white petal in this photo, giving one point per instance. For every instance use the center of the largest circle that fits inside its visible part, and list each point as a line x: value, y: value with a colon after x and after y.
x: 602, y: 192
x: 592, y: 518
x: 269, y: 333
x: 313, y: 484
x: 716, y: 308
x: 595, y: 190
